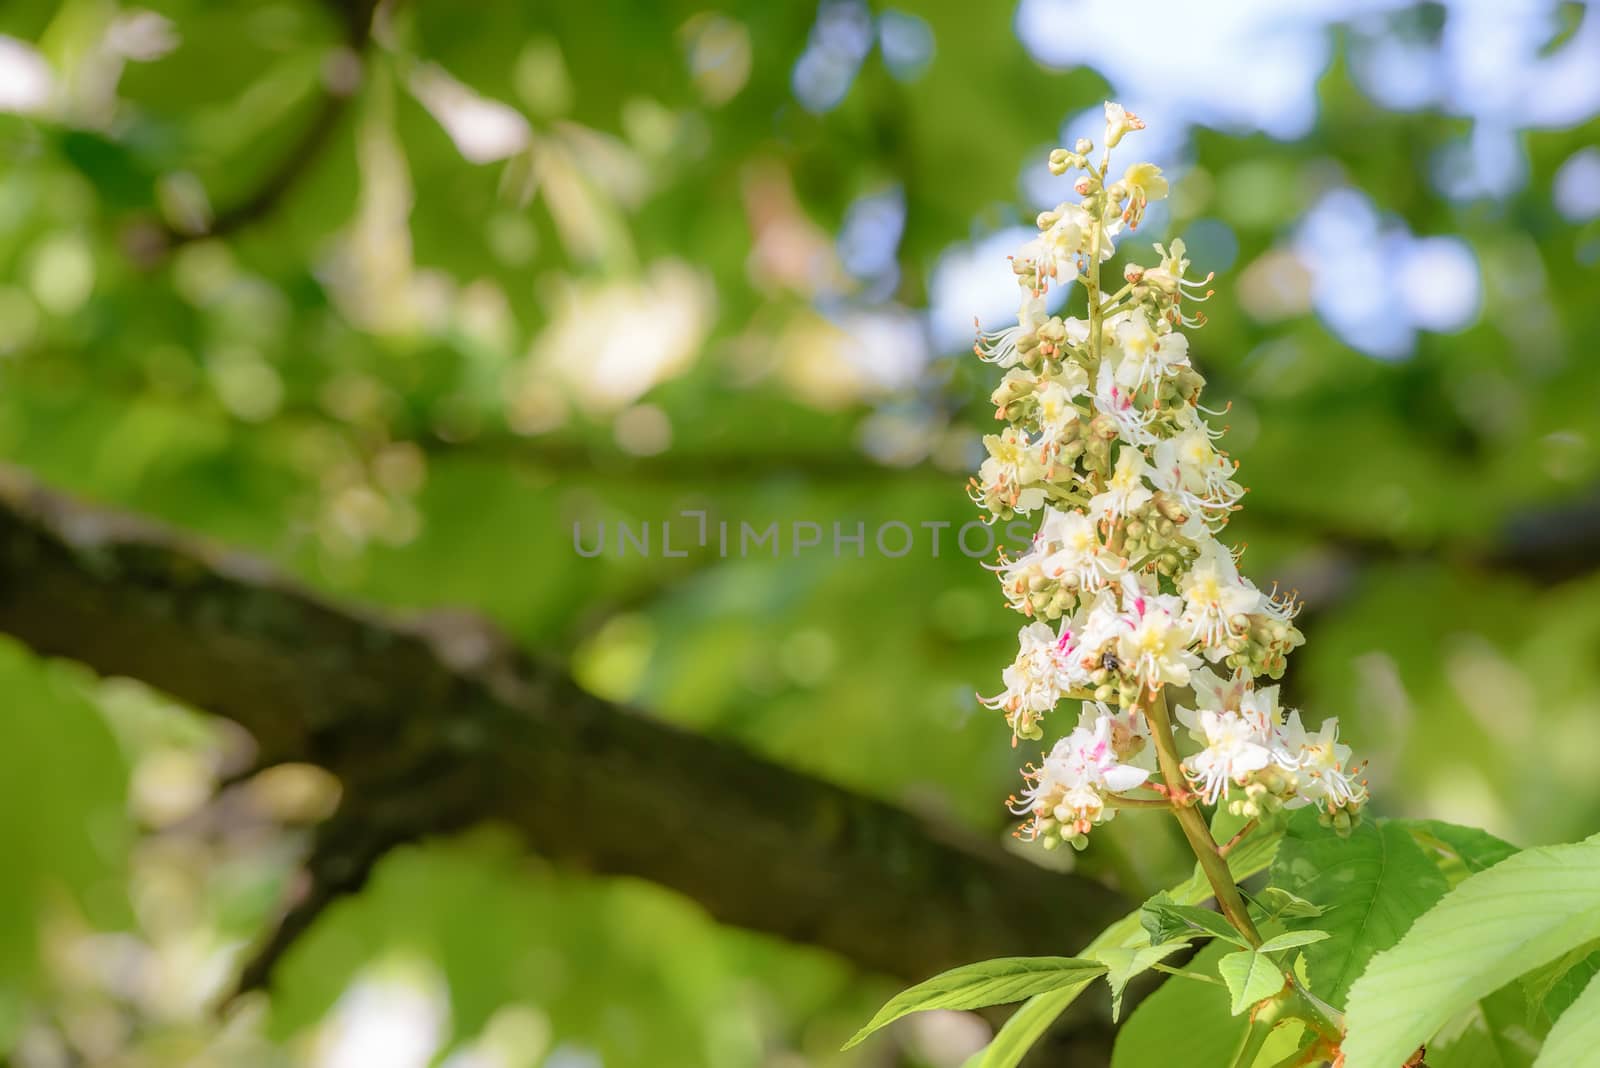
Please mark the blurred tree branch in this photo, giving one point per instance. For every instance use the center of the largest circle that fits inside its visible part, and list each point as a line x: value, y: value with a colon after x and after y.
x: 1550, y: 543
x: 341, y: 79
x: 438, y: 723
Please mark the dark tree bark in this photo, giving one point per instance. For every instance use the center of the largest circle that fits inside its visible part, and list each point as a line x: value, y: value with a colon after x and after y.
x: 438, y: 723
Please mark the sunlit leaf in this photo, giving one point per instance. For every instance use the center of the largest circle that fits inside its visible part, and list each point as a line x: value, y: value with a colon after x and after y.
x: 1522, y: 913
x: 1575, y: 1038
x: 1251, y: 976
x: 1371, y: 886
x: 1123, y: 963
x: 1292, y: 939
x: 991, y: 982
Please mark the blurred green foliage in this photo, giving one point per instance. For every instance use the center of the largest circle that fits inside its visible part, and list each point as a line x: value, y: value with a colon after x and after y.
x: 563, y: 263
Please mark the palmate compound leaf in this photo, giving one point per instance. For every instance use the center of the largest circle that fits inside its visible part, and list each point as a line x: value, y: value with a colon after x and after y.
x: 1525, y: 911
x: 1371, y: 886
x: 1023, y: 1029
x: 991, y: 982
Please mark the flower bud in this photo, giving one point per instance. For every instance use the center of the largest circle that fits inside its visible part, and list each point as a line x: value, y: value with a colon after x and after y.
x: 1083, y: 146
x: 1058, y: 161
x: 1169, y: 507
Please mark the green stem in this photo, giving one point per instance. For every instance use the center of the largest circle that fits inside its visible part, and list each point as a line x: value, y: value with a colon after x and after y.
x: 1321, y: 1017
x: 1118, y: 801
x: 1193, y: 823
x: 1118, y: 295
x: 1092, y: 282
x: 1181, y: 974
x: 1255, y: 1038
x: 1308, y: 1052
x: 1301, y: 1003
x: 1231, y: 844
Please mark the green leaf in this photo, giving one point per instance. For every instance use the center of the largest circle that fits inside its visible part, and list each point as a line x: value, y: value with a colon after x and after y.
x: 1123, y: 963
x: 1575, y: 1039
x: 1158, y: 923
x: 1025, y: 1026
x: 1277, y: 903
x: 1489, y: 1035
x: 1472, y: 850
x: 1285, y: 1039
x: 1514, y: 1045
x: 121, y: 179
x: 1548, y: 990
x: 1203, y: 920
x: 1018, y: 1034
x: 990, y: 982
x: 1251, y: 976
x: 1565, y: 991
x: 62, y: 786
x: 1371, y: 886
x: 1291, y: 939
x: 1184, y: 1022
x: 1525, y: 911
x: 1474, y: 1047
x: 1252, y: 857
